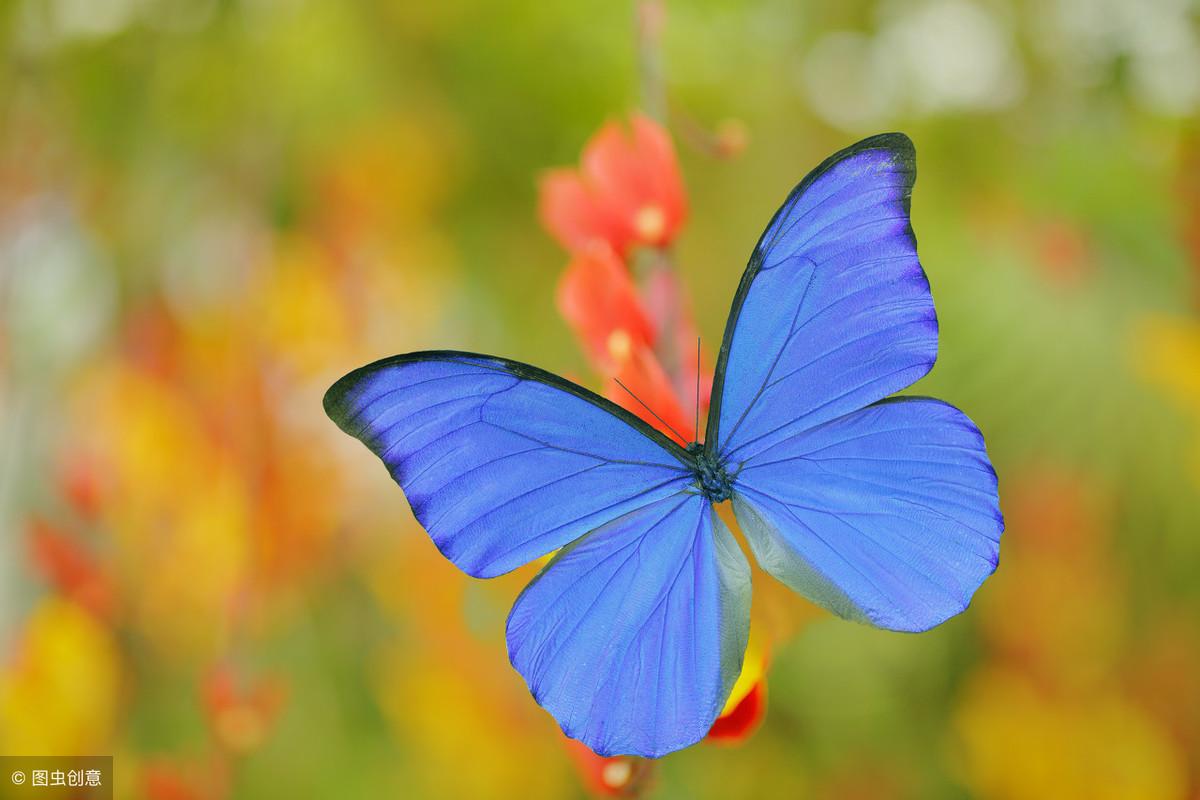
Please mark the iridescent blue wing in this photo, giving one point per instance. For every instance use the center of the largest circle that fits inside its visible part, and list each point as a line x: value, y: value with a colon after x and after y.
x: 833, y: 311
x: 501, y: 462
x: 833, y: 314
x: 633, y: 636
x: 887, y: 515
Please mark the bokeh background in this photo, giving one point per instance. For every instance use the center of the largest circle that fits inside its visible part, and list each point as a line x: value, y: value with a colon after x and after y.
x: 210, y: 209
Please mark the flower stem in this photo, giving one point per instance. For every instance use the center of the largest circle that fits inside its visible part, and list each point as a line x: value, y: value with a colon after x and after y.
x: 651, y: 18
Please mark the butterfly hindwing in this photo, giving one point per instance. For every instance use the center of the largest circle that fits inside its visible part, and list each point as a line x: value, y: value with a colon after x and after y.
x: 501, y: 462
x: 887, y: 515
x: 633, y: 636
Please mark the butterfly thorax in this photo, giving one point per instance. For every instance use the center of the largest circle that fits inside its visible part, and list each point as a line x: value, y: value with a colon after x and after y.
x: 711, y: 478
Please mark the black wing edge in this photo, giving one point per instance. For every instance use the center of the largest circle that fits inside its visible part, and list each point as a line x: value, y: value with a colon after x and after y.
x: 337, y: 405
x: 899, y: 145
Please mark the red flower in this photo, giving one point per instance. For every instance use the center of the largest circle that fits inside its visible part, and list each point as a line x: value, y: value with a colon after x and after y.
x: 71, y: 569
x: 743, y: 720
x: 598, y: 299
x: 627, y: 192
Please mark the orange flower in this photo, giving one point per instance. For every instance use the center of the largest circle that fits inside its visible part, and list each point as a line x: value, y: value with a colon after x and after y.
x: 598, y: 299
x: 627, y: 192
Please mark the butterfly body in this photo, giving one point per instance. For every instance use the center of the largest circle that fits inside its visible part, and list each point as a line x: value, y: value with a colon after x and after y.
x: 882, y: 509
x: 712, y: 479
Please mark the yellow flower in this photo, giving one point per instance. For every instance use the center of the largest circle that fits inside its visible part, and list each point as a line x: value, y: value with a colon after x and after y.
x: 58, y: 694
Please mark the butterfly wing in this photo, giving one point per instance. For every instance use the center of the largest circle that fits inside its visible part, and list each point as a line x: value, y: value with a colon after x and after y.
x: 501, y: 462
x: 633, y: 636
x: 888, y: 515
x: 833, y: 311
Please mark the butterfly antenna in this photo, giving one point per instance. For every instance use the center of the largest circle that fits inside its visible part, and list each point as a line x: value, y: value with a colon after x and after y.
x: 651, y: 410
x: 697, y: 428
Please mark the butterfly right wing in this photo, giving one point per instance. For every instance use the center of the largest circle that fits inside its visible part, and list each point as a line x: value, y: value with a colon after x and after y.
x: 884, y: 511
x: 501, y: 462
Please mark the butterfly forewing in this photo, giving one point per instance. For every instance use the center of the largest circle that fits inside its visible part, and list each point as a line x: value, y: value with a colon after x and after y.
x: 501, y: 462
x: 834, y: 311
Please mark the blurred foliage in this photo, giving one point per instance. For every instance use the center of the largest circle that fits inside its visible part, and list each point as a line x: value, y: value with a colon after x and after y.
x: 210, y: 209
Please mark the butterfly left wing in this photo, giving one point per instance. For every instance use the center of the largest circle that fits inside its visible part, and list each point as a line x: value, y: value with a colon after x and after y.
x: 633, y: 636
x: 501, y: 462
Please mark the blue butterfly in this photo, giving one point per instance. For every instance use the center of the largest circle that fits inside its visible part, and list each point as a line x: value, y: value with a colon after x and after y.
x: 883, y: 511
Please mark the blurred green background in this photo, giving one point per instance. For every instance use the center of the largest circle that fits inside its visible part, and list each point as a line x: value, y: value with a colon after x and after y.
x: 211, y: 209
